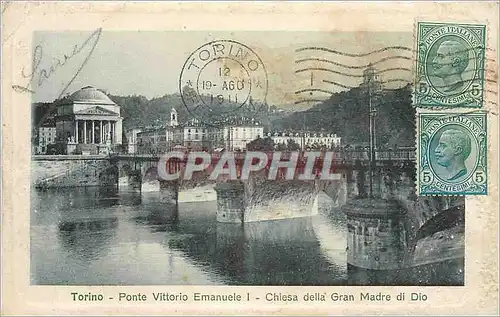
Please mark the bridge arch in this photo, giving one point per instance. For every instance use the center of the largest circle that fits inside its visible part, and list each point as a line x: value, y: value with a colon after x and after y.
x: 150, y: 174
x: 447, y: 217
x: 108, y: 176
x: 125, y: 170
x: 438, y: 222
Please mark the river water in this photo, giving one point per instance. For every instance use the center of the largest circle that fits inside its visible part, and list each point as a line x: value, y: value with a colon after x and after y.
x: 99, y: 236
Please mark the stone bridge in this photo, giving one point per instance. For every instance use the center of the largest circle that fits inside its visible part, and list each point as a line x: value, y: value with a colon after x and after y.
x: 372, y: 221
x: 391, y: 229
x: 257, y: 198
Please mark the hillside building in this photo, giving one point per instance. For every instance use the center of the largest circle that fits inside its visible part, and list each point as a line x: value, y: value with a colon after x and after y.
x: 231, y: 134
x: 306, y: 140
x: 46, y: 137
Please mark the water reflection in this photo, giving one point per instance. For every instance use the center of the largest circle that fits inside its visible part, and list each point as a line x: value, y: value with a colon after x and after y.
x: 158, y: 213
x: 89, y: 238
x: 102, y: 236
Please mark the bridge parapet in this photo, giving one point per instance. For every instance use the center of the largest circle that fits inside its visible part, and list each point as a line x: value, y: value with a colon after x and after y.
x: 54, y: 171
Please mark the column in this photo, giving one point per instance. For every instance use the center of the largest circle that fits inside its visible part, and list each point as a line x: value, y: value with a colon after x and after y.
x: 93, y: 133
x: 76, y: 131
x: 115, y: 137
x: 107, y: 130
x: 100, y: 132
x: 85, y: 131
x: 119, y: 131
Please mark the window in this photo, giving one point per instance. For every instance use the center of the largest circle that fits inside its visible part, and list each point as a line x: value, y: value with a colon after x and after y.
x: 384, y: 227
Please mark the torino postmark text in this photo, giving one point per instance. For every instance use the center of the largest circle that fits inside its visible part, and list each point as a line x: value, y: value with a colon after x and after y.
x: 221, y: 77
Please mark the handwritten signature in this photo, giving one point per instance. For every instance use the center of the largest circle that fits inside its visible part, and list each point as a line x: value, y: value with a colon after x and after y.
x: 39, y: 75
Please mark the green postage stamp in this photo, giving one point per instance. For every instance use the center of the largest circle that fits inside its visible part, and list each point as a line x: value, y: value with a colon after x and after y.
x: 449, y: 65
x: 452, y: 156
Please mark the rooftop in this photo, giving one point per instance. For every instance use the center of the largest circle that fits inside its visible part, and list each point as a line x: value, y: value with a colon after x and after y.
x: 90, y: 94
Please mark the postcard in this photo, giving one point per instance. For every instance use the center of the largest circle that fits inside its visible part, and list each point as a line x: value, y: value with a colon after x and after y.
x: 238, y: 158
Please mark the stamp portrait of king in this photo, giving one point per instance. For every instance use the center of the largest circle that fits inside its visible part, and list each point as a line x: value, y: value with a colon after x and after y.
x: 452, y: 154
x: 450, y: 65
x: 454, y: 147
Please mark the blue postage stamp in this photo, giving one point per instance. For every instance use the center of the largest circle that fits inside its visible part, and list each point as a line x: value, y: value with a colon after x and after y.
x: 449, y: 65
x: 452, y: 158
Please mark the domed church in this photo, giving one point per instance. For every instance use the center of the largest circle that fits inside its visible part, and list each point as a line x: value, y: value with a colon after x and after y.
x: 89, y: 122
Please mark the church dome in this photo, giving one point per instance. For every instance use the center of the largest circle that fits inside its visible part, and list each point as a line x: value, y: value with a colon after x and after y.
x: 90, y: 94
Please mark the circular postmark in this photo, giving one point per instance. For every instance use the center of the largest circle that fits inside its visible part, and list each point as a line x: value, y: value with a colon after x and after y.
x: 223, y: 78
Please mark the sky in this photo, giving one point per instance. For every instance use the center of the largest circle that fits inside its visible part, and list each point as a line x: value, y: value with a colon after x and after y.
x: 149, y: 63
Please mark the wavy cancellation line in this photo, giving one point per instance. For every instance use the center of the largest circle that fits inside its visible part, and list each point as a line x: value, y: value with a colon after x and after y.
x: 308, y: 100
x: 388, y: 48
x: 324, y: 60
x: 379, y: 102
x: 405, y: 81
x: 324, y: 49
x: 314, y: 90
x: 384, y: 71
x: 348, y: 74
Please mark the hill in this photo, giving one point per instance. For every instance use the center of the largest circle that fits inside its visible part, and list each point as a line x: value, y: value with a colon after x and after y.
x: 138, y: 111
x: 346, y: 113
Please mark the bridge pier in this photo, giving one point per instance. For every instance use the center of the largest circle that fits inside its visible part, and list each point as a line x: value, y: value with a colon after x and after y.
x: 150, y: 186
x: 361, y: 175
x: 376, y: 235
x: 351, y: 183
x: 108, y: 177
x: 169, y: 191
x: 336, y: 190
x: 130, y: 181
x: 230, y: 201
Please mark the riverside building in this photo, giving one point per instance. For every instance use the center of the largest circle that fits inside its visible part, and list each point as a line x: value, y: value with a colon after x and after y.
x: 88, y: 122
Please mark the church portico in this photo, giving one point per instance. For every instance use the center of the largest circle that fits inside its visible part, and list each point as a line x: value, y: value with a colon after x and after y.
x: 88, y: 122
x: 89, y: 131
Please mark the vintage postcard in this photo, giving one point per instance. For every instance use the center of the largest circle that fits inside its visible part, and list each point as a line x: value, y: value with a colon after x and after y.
x: 250, y: 158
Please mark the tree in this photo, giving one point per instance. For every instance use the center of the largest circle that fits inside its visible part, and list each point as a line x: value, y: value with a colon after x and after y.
x: 261, y: 144
x: 315, y: 146
x: 346, y: 114
x: 281, y: 147
x: 292, y: 145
